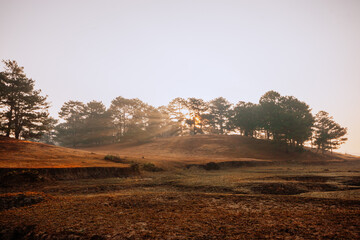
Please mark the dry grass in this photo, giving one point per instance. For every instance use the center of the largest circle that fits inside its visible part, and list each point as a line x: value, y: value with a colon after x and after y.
x: 294, y: 198
x: 200, y: 149
x: 185, y: 216
x: 195, y: 204
x: 24, y: 154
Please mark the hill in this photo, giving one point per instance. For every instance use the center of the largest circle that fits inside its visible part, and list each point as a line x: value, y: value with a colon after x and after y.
x: 205, y: 148
x: 173, y: 151
x: 24, y: 154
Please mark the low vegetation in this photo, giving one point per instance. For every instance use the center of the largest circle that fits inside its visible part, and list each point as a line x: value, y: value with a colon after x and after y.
x: 113, y: 158
x: 150, y: 167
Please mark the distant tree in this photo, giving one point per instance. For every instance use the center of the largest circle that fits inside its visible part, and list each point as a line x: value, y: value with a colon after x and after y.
x: 130, y: 118
x: 219, y: 114
x: 175, y: 111
x: 270, y: 113
x: 197, y: 107
x: 246, y: 118
x: 72, y: 131
x: 296, y: 121
x: 50, y: 133
x: 167, y: 126
x: 285, y: 119
x: 120, y: 111
x: 23, y: 111
x: 327, y: 133
x: 97, y: 123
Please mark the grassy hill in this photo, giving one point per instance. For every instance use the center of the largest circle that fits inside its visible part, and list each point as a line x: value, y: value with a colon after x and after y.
x: 173, y: 151
x: 59, y: 200
x: 205, y: 148
x: 24, y: 154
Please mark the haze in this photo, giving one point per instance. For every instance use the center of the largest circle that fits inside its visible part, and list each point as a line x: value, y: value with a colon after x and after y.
x: 159, y: 50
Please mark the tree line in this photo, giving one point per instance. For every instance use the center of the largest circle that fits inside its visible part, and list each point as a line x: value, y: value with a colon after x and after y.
x: 283, y: 119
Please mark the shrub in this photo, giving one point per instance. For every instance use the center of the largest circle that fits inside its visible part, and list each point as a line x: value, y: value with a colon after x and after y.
x: 211, y: 166
x: 150, y: 167
x: 135, y: 167
x: 113, y: 158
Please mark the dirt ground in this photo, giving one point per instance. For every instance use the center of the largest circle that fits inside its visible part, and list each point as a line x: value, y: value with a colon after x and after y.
x: 275, y: 202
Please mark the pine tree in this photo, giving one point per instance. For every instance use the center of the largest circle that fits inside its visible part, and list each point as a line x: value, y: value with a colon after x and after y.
x: 72, y: 131
x: 97, y: 124
x: 197, y: 107
x: 24, y: 112
x: 176, y: 109
x: 246, y: 118
x: 328, y: 134
x: 219, y: 114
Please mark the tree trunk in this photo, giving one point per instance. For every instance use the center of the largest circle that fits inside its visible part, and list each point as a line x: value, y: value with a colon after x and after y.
x: 194, y: 127
x: 17, y: 126
x: 8, y: 130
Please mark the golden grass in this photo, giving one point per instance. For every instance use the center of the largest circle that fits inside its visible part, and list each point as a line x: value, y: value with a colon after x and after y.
x: 25, y: 154
x: 168, y: 153
x: 200, y: 149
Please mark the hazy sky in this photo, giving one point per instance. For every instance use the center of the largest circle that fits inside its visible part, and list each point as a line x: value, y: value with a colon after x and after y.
x: 159, y: 50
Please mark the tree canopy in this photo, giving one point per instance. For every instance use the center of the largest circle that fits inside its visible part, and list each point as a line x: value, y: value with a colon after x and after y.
x: 282, y: 119
x: 23, y: 111
x: 327, y: 133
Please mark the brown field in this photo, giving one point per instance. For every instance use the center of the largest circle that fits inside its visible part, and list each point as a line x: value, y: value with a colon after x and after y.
x: 24, y: 154
x: 200, y: 149
x: 280, y: 196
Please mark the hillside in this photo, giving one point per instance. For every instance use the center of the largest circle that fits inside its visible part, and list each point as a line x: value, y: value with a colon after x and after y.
x: 163, y: 151
x: 206, y: 148
x: 24, y: 154
x: 244, y: 202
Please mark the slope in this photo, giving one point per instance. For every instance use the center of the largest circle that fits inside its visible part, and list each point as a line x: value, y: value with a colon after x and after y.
x: 205, y: 148
x: 24, y: 154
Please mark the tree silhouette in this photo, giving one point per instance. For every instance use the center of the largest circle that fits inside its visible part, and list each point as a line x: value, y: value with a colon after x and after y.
x: 219, y: 114
x: 176, y: 112
x: 197, y: 107
x: 24, y: 112
x: 246, y: 118
x: 72, y: 131
x: 97, y: 123
x: 130, y: 118
x: 296, y: 121
x: 327, y: 133
x: 270, y: 113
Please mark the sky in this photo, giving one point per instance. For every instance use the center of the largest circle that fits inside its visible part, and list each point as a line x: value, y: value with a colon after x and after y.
x: 162, y: 49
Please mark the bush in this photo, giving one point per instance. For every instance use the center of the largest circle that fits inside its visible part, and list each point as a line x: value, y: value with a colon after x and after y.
x: 135, y: 167
x: 211, y: 166
x: 113, y: 158
x: 150, y: 167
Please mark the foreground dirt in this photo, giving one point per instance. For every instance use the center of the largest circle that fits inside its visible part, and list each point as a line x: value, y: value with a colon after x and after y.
x: 299, y: 196
x: 184, y: 216
x: 246, y: 203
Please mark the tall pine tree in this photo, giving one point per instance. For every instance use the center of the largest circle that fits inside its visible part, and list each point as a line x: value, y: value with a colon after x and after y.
x: 23, y: 111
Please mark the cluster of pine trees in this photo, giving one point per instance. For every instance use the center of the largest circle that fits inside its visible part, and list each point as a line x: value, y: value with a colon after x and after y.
x: 284, y: 119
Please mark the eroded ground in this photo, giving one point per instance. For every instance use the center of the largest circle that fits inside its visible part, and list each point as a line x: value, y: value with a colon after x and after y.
x: 278, y: 202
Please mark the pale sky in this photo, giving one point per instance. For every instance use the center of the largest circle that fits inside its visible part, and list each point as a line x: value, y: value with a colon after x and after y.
x: 159, y: 50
